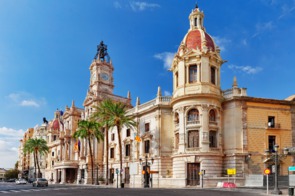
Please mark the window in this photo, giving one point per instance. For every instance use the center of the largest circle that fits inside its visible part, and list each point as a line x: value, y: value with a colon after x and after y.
x: 52, y: 163
x: 113, y: 137
x: 112, y: 153
x: 212, y: 116
x: 176, y: 140
x: 127, y: 150
x: 193, y: 139
x: 213, y: 73
x: 196, y: 22
x: 147, y: 127
x: 147, y: 146
x: 212, y: 139
x: 271, y: 121
x: 176, y: 79
x: 193, y: 70
x: 193, y: 115
x: 128, y: 133
x: 176, y: 118
x: 52, y: 153
x: 271, y: 143
x: 54, y: 137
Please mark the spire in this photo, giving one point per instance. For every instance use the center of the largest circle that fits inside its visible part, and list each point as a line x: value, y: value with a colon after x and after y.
x: 197, y: 5
x: 196, y: 19
x: 73, y: 103
x: 128, y: 95
x: 159, y: 94
x: 235, y: 84
x: 137, y: 101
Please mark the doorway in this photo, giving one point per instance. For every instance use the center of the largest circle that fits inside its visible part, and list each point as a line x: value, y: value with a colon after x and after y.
x: 193, y: 178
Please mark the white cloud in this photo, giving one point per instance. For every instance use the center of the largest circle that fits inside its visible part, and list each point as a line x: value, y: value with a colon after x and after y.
x: 25, y: 99
x: 141, y: 6
x: 221, y: 42
x: 167, y: 93
x: 29, y: 103
x: 246, y: 69
x: 287, y: 10
x: 166, y: 57
x: 262, y: 27
x: 9, y: 143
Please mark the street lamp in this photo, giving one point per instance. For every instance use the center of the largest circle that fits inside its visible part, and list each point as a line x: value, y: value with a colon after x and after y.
x: 275, y: 156
x: 146, y: 172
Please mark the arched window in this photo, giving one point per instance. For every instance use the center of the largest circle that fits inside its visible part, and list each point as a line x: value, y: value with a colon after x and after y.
x: 193, y: 139
x: 212, y: 116
x: 193, y: 115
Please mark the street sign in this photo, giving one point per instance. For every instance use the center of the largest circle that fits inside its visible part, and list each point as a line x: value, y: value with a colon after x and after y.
x: 267, y: 171
x: 231, y: 171
x: 292, y: 168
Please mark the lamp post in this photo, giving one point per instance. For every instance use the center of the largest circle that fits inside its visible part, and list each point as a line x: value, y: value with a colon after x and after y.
x: 146, y: 172
x: 275, y: 156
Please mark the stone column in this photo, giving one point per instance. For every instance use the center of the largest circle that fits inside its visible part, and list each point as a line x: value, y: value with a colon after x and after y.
x: 63, y: 176
x: 204, y: 132
x: 182, y: 131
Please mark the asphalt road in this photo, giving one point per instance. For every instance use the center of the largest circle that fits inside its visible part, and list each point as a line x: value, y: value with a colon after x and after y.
x: 73, y: 190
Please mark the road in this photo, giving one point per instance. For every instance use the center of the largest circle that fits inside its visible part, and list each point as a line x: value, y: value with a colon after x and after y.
x: 72, y: 190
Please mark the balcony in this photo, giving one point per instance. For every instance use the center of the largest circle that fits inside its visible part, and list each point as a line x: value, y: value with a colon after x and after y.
x: 192, y: 122
x: 272, y: 126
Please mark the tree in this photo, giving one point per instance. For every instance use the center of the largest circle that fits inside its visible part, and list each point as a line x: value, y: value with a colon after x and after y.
x: 12, y: 173
x: 117, y: 117
x: 89, y: 130
x: 36, y: 146
x: 102, y: 115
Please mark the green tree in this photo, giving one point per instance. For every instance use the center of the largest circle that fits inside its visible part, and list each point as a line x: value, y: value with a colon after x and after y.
x: 89, y: 130
x: 117, y: 117
x: 36, y: 146
x: 102, y: 115
x: 12, y: 173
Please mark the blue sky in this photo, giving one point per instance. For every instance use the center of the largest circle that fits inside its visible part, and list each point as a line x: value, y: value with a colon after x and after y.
x: 46, y: 48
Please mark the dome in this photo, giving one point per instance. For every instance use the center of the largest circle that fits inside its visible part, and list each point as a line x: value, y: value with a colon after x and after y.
x: 55, y: 125
x: 199, y: 39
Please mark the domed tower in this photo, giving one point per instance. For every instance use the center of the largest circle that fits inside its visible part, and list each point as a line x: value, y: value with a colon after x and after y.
x: 196, y: 103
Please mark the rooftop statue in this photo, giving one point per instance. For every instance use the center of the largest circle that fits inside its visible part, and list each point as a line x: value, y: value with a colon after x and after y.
x: 101, y: 51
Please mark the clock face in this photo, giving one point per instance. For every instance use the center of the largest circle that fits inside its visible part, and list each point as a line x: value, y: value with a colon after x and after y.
x: 105, y: 76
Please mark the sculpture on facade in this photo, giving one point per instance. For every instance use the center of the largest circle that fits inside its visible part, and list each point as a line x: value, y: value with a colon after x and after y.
x: 101, y: 51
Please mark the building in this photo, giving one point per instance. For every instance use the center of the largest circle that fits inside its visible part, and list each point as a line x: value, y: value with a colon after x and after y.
x: 190, y: 138
x: 2, y: 174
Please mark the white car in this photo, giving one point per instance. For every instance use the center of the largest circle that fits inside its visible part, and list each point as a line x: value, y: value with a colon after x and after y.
x: 21, y: 181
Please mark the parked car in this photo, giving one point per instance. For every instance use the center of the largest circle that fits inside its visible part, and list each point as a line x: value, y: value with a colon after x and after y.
x: 31, y: 180
x: 10, y: 180
x: 40, y: 182
x: 21, y: 181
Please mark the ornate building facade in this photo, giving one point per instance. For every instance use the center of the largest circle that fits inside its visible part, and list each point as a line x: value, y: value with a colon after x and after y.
x: 200, y: 129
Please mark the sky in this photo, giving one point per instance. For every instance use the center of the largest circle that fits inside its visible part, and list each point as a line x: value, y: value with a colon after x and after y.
x: 46, y: 48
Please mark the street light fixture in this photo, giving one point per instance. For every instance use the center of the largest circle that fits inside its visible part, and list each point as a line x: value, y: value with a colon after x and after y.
x: 146, y: 172
x: 275, y: 156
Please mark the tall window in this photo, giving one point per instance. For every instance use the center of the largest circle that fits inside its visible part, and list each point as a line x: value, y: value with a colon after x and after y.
x: 127, y: 150
x: 113, y: 137
x: 193, y: 115
x: 147, y: 127
x: 213, y: 75
x: 176, y: 79
x: 128, y: 133
x: 147, y: 146
x: 212, y: 116
x: 212, y: 139
x: 271, y: 143
x: 193, y: 139
x: 176, y: 118
x: 193, y: 72
x: 112, y: 153
x: 271, y: 121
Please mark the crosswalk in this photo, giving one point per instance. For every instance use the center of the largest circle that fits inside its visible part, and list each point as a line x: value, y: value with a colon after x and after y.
x: 36, y: 190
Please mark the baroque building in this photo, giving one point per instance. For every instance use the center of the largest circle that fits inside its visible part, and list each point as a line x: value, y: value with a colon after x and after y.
x: 198, y: 133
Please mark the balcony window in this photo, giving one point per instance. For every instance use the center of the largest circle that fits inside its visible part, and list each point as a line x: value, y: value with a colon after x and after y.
x: 147, y: 146
x: 212, y: 139
x: 193, y: 72
x: 127, y: 150
x: 193, y: 139
x: 193, y: 115
x: 212, y: 116
x: 271, y: 121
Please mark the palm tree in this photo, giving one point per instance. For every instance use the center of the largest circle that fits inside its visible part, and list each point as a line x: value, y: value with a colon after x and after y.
x: 89, y: 130
x: 117, y: 117
x: 102, y: 115
x: 36, y: 146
